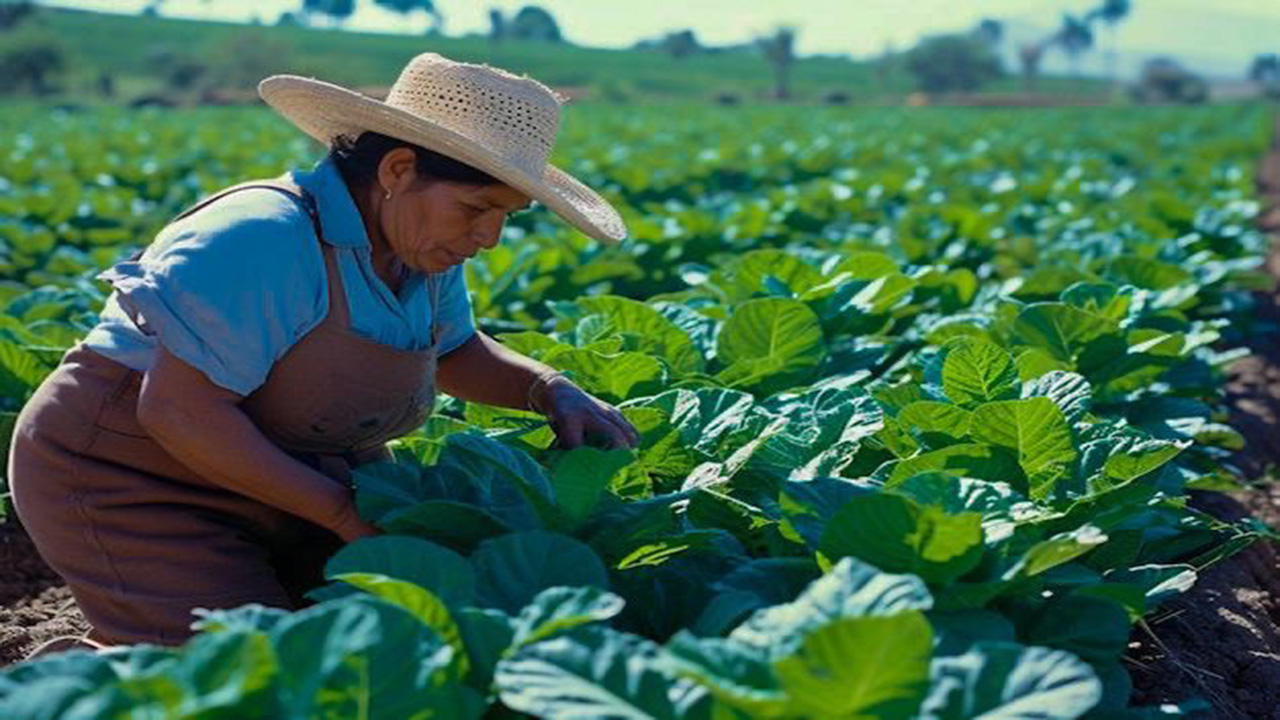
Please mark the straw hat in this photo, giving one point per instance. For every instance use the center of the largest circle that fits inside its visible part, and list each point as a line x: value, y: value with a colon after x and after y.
x: 486, y: 117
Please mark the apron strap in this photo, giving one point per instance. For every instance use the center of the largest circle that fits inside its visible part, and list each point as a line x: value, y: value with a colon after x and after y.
x: 433, y: 292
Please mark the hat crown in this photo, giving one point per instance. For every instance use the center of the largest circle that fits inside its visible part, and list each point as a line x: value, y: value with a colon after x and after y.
x: 514, y: 117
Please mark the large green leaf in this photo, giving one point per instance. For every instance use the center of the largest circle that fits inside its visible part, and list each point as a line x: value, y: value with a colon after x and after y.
x: 445, y: 573
x: 511, y: 570
x: 581, y: 475
x: 595, y: 672
x: 612, y: 376
x: 750, y: 274
x: 1005, y: 681
x: 1071, y: 393
x: 560, y: 609
x: 979, y: 372
x: 985, y: 462
x: 455, y: 525
x: 1034, y: 428
x: 824, y: 429
x: 897, y: 535
x: 769, y: 340
x: 1055, y: 551
x: 361, y: 657
x: 646, y: 330
x: 936, y: 424
x: 226, y: 674
x: 1093, y: 628
x: 1060, y: 329
x: 738, y: 674
x: 704, y: 417
x: 860, y: 667
x: 851, y: 588
x: 424, y: 605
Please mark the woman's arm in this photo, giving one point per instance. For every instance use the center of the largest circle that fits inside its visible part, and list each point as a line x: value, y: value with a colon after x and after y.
x: 483, y: 370
x: 202, y: 426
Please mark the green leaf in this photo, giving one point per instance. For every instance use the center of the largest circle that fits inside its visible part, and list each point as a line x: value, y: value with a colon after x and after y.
x: 769, y: 340
x: 424, y: 605
x: 747, y: 275
x: 445, y: 573
x: 560, y: 609
x: 737, y: 674
x: 612, y: 376
x: 824, y: 429
x: 225, y: 674
x: 455, y: 525
x: 979, y: 372
x: 1036, y: 429
x: 580, y: 475
x: 1094, y: 629
x: 511, y: 570
x: 862, y: 667
x: 851, y: 588
x: 1105, y: 299
x: 362, y: 657
x: 646, y: 330
x: 1060, y: 329
x: 970, y: 460
x: 1006, y: 680
x: 1134, y: 457
x: 896, y: 535
x: 1069, y: 391
x: 487, y: 634
x: 1057, y: 550
x: 1147, y: 273
x: 937, y: 424
x: 705, y: 417
x: 595, y: 672
x: 249, y: 617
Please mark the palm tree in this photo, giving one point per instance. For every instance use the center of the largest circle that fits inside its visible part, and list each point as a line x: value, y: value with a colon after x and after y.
x: 338, y: 10
x: 404, y: 7
x: 1265, y: 71
x: 1029, y: 56
x: 779, y: 50
x: 989, y: 31
x: 1111, y: 12
x: 1075, y: 37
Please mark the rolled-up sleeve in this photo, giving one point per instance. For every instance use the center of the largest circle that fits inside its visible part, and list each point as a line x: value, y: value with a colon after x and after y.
x: 228, y: 295
x: 457, y: 325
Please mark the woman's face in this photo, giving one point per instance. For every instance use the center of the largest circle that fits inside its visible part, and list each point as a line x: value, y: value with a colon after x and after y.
x: 436, y: 224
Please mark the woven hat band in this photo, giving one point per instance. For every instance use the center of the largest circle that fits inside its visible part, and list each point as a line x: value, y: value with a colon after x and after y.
x: 515, y: 118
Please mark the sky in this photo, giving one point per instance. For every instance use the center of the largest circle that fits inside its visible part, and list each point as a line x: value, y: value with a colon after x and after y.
x: 1224, y: 34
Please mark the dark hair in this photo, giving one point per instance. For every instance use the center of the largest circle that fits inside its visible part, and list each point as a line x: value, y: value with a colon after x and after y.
x: 357, y: 160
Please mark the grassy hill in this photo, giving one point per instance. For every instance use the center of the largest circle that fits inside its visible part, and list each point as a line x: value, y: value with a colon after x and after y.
x: 140, y: 53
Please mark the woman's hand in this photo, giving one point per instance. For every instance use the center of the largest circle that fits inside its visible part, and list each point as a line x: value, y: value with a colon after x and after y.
x: 352, y: 527
x: 577, y: 417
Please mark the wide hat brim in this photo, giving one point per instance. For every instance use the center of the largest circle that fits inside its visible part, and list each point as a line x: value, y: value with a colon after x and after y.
x: 324, y: 111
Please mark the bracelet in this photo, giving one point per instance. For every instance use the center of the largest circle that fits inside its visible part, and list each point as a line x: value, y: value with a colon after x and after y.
x: 537, y: 384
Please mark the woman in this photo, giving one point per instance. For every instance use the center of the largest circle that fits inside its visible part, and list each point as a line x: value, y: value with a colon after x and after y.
x: 195, y: 449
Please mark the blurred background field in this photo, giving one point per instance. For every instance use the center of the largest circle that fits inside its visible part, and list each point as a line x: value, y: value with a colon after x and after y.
x: 184, y: 52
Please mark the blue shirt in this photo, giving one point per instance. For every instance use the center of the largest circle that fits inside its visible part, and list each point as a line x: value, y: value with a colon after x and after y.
x: 232, y: 287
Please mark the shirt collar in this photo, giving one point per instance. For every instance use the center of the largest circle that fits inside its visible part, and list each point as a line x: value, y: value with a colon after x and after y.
x: 340, y: 219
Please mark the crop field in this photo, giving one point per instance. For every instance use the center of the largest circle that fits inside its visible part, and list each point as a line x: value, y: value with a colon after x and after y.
x: 923, y: 394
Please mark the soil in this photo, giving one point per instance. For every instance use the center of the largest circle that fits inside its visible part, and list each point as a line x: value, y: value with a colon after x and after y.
x: 1219, y: 642
x: 34, y: 604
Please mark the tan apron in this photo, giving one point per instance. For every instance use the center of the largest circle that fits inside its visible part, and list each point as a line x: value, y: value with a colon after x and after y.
x: 140, y: 539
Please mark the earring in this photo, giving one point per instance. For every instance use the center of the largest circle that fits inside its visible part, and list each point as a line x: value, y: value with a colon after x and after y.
x: 387, y: 196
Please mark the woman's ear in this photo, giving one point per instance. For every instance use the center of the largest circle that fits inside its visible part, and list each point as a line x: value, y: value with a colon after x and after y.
x: 396, y: 171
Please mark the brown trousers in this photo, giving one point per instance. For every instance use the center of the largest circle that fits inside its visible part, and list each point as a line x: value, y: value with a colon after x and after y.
x: 140, y: 539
